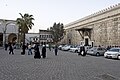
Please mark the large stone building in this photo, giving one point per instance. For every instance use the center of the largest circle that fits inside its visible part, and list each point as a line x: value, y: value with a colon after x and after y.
x: 8, y: 31
x: 100, y: 28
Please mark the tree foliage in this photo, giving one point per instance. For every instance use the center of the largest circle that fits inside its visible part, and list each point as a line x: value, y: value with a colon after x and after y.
x: 25, y: 22
x: 57, y: 31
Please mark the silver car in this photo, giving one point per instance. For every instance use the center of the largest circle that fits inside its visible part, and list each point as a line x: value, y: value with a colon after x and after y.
x: 97, y: 51
x: 75, y: 49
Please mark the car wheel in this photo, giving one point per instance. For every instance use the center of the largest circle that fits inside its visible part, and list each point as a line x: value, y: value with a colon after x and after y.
x: 118, y: 57
x: 97, y: 54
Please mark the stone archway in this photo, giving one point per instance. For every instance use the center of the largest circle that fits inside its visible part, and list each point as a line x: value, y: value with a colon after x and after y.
x: 12, y: 38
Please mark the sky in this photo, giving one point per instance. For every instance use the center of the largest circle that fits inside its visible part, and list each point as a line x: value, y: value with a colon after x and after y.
x: 47, y: 12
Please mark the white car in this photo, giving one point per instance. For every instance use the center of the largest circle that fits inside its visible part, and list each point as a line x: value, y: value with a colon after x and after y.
x: 112, y: 53
x: 74, y: 49
x: 60, y: 47
x: 66, y: 47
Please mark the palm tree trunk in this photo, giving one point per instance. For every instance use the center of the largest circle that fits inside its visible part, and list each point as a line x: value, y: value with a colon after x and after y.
x: 23, y: 47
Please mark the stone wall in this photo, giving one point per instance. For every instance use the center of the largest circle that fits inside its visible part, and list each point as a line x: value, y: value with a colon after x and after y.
x: 105, y: 28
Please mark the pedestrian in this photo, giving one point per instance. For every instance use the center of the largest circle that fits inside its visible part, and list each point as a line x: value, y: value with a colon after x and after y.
x: 6, y: 46
x: 50, y: 47
x: 23, y: 49
x: 29, y: 50
x: 37, y: 52
x: 56, y: 50
x: 44, y: 51
x: 11, y: 49
x: 82, y: 51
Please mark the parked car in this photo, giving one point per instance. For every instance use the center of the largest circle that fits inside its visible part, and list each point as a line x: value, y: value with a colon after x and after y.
x: 74, y: 49
x: 112, y: 53
x: 97, y: 51
x: 66, y: 47
x: 60, y: 47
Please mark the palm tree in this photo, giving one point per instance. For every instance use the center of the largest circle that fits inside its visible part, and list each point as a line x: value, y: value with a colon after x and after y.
x: 25, y: 24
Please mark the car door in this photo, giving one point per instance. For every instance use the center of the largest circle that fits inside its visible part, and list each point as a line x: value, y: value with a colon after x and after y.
x: 101, y: 51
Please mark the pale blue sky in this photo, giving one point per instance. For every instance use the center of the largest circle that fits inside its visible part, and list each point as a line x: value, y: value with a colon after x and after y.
x: 46, y: 12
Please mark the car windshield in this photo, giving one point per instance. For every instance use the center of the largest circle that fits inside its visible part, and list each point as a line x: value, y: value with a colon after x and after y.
x: 94, y: 48
x: 65, y: 45
x: 78, y: 47
x: 114, y: 50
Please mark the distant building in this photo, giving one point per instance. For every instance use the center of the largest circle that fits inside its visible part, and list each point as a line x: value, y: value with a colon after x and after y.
x: 32, y: 38
x: 43, y: 37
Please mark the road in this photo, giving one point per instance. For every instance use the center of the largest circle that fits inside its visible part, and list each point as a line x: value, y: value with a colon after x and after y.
x: 65, y: 66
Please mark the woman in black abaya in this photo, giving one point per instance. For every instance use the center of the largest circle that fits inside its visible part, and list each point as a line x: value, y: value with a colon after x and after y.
x: 37, y: 52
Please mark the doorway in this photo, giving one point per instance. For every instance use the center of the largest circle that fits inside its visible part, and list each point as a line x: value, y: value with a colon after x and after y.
x: 12, y: 38
x: 86, y: 42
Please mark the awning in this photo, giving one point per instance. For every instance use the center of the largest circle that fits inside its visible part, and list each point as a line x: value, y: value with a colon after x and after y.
x: 83, y: 29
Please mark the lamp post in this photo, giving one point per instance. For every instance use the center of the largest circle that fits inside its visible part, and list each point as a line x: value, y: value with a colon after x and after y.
x: 19, y: 39
x: 39, y: 37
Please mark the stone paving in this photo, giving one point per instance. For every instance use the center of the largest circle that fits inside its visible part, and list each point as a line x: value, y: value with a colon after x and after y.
x: 65, y: 66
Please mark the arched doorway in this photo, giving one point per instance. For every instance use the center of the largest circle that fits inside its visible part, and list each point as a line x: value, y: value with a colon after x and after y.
x: 1, y: 39
x: 12, y: 38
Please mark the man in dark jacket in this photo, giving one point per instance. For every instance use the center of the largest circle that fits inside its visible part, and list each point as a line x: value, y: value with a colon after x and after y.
x: 56, y: 50
x: 23, y: 49
x: 11, y: 49
x: 6, y: 46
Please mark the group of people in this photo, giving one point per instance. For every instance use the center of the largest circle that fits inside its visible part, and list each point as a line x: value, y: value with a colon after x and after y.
x: 37, y: 54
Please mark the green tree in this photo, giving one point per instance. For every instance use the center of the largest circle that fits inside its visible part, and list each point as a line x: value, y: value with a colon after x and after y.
x: 57, y: 31
x: 25, y: 23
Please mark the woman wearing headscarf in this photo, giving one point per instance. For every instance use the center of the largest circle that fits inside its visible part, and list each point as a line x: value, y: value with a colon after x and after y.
x: 44, y: 51
x: 37, y: 52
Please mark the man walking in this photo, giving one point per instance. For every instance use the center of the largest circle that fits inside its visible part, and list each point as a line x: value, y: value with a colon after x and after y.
x: 11, y: 49
x: 56, y: 50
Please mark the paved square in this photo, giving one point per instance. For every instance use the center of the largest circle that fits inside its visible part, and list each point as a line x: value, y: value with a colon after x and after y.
x: 65, y: 66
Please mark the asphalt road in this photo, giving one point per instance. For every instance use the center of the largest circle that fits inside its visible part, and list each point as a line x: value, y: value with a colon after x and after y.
x: 65, y: 66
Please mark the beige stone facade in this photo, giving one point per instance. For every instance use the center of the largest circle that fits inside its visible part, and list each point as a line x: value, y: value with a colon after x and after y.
x: 8, y: 31
x: 100, y: 28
